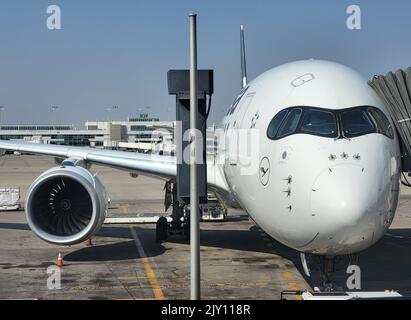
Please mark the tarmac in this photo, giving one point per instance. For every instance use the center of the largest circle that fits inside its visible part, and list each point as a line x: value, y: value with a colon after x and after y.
x: 238, y: 260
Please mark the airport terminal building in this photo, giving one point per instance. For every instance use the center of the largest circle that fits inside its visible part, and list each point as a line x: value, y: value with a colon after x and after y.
x: 133, y: 133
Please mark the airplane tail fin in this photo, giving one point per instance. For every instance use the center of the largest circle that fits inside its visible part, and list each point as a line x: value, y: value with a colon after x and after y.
x: 243, y: 59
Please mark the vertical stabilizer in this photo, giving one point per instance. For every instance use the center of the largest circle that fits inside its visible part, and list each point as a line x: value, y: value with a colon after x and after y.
x: 243, y: 59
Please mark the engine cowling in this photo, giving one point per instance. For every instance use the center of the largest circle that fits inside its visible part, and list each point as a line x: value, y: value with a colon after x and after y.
x: 66, y: 205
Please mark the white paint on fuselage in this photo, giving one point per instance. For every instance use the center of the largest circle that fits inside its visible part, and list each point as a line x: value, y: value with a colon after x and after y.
x: 313, y: 203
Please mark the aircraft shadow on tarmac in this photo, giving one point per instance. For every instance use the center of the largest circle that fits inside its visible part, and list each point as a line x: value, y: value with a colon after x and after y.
x: 386, y: 265
x: 118, y: 251
x: 14, y: 226
x: 242, y: 240
x: 125, y: 250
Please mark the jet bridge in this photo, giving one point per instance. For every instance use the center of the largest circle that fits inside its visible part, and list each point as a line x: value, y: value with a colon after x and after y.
x: 395, y: 90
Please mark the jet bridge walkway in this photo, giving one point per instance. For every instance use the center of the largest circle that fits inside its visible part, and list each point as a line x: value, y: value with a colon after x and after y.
x: 394, y: 89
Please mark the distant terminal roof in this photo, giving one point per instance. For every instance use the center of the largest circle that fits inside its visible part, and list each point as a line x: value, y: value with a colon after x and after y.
x: 36, y: 128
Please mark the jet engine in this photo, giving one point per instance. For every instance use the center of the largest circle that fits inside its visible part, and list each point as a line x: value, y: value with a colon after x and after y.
x: 66, y: 205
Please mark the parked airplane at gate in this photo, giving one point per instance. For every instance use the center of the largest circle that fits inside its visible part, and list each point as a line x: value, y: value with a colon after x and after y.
x: 328, y: 157
x: 328, y: 165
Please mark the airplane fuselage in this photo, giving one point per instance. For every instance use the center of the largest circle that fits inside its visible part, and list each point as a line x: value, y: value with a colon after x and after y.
x: 322, y: 177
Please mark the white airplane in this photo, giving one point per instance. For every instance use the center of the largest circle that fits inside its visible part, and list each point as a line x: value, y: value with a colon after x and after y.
x: 328, y: 165
x: 329, y: 158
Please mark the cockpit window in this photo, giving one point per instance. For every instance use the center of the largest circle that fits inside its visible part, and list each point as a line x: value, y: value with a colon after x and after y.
x: 320, y: 122
x: 340, y: 123
x: 356, y: 122
x: 383, y: 124
x: 291, y: 123
x: 276, y: 123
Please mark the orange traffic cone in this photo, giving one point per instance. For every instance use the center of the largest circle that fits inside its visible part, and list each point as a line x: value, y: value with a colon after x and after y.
x: 59, y: 260
x: 89, y: 242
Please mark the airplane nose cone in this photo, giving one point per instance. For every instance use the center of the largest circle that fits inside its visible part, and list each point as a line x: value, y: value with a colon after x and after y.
x: 344, y: 202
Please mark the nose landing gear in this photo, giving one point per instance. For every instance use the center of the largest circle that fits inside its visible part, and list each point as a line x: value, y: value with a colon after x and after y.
x: 327, y: 267
x: 325, y: 264
x: 327, y: 270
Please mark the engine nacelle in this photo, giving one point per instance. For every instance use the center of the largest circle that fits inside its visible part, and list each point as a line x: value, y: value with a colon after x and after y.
x: 66, y: 205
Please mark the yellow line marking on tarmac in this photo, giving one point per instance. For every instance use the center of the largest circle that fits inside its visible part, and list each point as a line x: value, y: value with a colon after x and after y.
x: 293, y: 286
x: 158, y: 278
x: 124, y: 208
x: 287, y: 274
x: 158, y: 293
x: 282, y: 266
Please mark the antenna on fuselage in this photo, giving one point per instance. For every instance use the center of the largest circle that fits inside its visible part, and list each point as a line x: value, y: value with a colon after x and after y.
x: 243, y: 60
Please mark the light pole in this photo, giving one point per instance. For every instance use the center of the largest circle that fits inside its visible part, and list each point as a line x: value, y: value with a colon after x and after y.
x: 194, y: 149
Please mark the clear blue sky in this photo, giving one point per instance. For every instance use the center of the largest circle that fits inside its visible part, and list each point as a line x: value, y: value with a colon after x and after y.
x: 118, y: 52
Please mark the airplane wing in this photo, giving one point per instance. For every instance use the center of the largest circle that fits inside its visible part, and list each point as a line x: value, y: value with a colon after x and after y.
x: 145, y: 164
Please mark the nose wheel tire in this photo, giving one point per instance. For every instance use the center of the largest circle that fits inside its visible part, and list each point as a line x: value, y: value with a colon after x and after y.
x: 161, y: 230
x: 186, y: 230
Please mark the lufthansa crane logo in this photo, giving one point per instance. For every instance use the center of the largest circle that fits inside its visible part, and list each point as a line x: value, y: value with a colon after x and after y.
x: 264, y: 171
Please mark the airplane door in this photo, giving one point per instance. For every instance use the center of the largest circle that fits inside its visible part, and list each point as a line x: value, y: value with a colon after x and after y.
x: 244, y: 109
x: 250, y: 116
x: 234, y: 134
